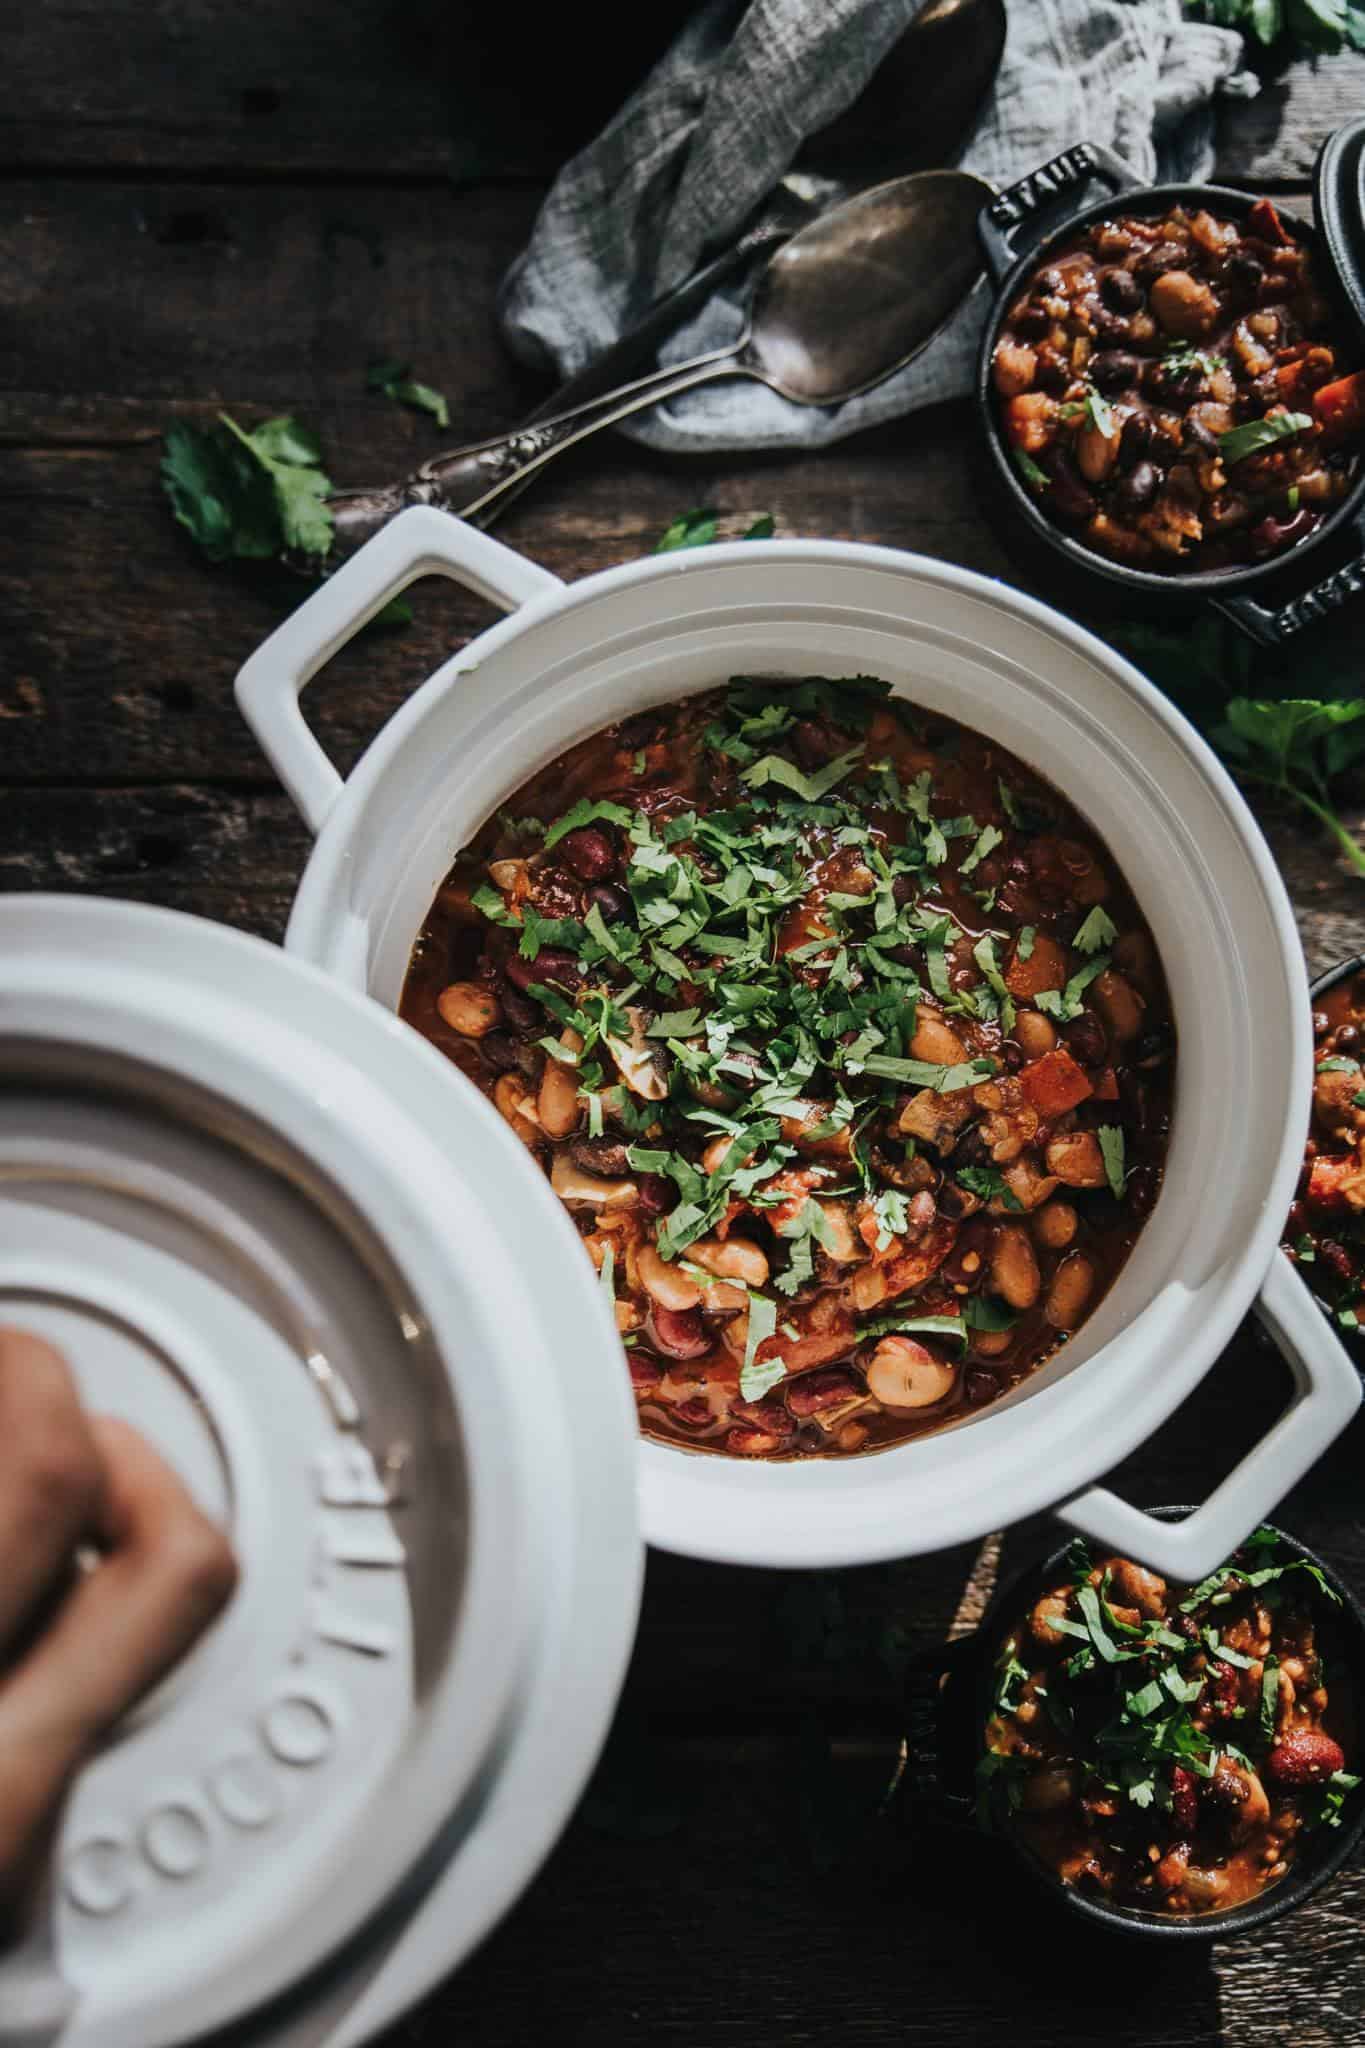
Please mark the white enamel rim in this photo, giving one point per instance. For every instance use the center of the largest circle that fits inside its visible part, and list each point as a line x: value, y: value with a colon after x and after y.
x: 508, y: 1734
x: 572, y: 659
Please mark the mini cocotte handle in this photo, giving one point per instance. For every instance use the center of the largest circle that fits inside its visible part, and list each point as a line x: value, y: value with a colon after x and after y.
x: 419, y: 542
x: 1327, y: 1397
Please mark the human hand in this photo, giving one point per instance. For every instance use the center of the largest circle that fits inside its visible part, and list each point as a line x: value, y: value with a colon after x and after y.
x: 78, y: 1646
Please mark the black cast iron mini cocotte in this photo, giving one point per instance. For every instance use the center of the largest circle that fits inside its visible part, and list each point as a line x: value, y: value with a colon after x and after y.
x: 948, y: 1695
x: 1340, y: 252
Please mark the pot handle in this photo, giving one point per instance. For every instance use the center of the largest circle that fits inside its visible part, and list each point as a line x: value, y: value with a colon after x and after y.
x: 1271, y: 628
x: 419, y: 542
x: 1328, y: 1396
x: 996, y: 222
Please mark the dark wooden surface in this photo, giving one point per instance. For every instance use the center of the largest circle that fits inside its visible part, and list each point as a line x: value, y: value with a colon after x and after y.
x: 208, y: 209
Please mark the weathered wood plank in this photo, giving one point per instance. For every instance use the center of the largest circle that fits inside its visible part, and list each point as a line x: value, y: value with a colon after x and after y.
x: 409, y: 92
x: 1275, y: 138
x: 391, y: 91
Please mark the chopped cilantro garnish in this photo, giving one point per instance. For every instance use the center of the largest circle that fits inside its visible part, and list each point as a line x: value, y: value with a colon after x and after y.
x: 1112, y: 1148
x: 1097, y: 932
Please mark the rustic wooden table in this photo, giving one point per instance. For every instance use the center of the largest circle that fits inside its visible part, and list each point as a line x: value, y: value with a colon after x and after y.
x: 210, y: 210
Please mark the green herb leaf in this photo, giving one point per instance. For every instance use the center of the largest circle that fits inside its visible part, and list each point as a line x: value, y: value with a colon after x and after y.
x: 289, y: 454
x: 691, y: 530
x: 1112, y: 1149
x: 395, y: 381
x: 1296, y: 747
x: 1097, y: 932
x: 1254, y: 435
x: 1037, y: 479
x: 585, y: 812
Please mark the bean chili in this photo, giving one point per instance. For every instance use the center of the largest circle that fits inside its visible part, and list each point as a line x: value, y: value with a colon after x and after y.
x: 1167, y: 1747
x: 1325, y: 1231
x: 1172, y: 390
x: 841, y: 1036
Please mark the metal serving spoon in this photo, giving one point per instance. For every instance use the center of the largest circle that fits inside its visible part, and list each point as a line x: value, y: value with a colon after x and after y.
x: 854, y: 297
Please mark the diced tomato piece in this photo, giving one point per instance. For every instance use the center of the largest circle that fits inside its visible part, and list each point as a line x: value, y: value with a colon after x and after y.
x: 1327, y: 1181
x: 1107, y: 1086
x: 1266, y: 225
x: 1055, y: 1084
x: 1339, y: 408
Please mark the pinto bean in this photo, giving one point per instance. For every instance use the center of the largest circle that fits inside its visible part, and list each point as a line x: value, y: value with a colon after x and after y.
x: 1070, y: 1291
x: 557, y: 1104
x: 1055, y: 1225
x: 1035, y: 1033
x: 1013, y: 368
x: 469, y: 1008
x: 936, y: 1041
x: 665, y: 1284
x: 1076, y: 1158
x: 903, y: 1374
x: 680, y: 1333
x: 733, y: 1258
x: 574, y: 1186
x: 512, y: 1101
x: 1014, y: 1267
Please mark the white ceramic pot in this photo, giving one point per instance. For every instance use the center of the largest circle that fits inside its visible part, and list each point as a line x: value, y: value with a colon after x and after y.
x: 570, y: 660
x: 225, y: 1195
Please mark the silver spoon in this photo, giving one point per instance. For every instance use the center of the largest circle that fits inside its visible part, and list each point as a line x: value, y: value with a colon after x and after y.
x: 838, y: 309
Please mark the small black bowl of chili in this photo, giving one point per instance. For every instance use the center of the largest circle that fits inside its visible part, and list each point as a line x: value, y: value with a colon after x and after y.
x: 1173, y: 389
x: 1178, y: 1762
x: 1325, y: 1229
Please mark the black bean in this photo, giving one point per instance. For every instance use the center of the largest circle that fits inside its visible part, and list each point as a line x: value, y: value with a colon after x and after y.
x: 1202, y: 436
x: 1178, y: 386
x: 1163, y: 256
x: 1114, y: 370
x: 612, y: 902
x: 1348, y: 1038
x: 600, y: 1155
x: 520, y: 1011
x: 980, y: 1387
x: 971, y: 1148
x: 1137, y: 489
x: 1086, y: 1040
x: 1052, y: 374
x: 1244, y: 273
x: 1135, y: 443
x: 1121, y: 291
x: 1011, y: 1055
x: 1031, y: 322
x: 1111, y: 328
x: 500, y: 1051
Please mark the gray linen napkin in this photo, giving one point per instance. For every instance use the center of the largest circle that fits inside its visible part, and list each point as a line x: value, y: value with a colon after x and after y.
x: 719, y: 121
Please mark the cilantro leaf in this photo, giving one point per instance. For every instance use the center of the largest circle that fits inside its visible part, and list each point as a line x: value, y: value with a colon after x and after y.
x: 1096, y: 933
x: 1297, y: 747
x: 248, y: 494
x: 1254, y: 435
x: 289, y: 455
x: 1112, y: 1149
x: 586, y: 813
x: 689, y: 530
x: 395, y: 381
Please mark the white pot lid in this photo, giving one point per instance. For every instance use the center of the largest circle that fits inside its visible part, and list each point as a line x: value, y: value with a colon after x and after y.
x: 271, y: 1227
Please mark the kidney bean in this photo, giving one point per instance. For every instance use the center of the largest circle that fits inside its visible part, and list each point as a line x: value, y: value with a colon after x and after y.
x: 644, y: 1370
x: 1114, y: 370
x: 640, y: 728
x: 1178, y: 386
x: 1052, y: 373
x: 814, y: 743
x: 588, y: 853
x: 551, y: 964
x: 1069, y: 497
x: 1348, y: 1038
x: 980, y: 1387
x: 1121, y: 291
x: 1306, y: 1756
x: 1336, y: 1257
x: 1184, y: 1800
x: 904, y: 889
x: 657, y: 1195
x: 695, y: 1411
x: 1137, y: 490
x: 816, y: 1390
x: 1143, y: 1186
x: 680, y: 1332
x: 1270, y: 535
